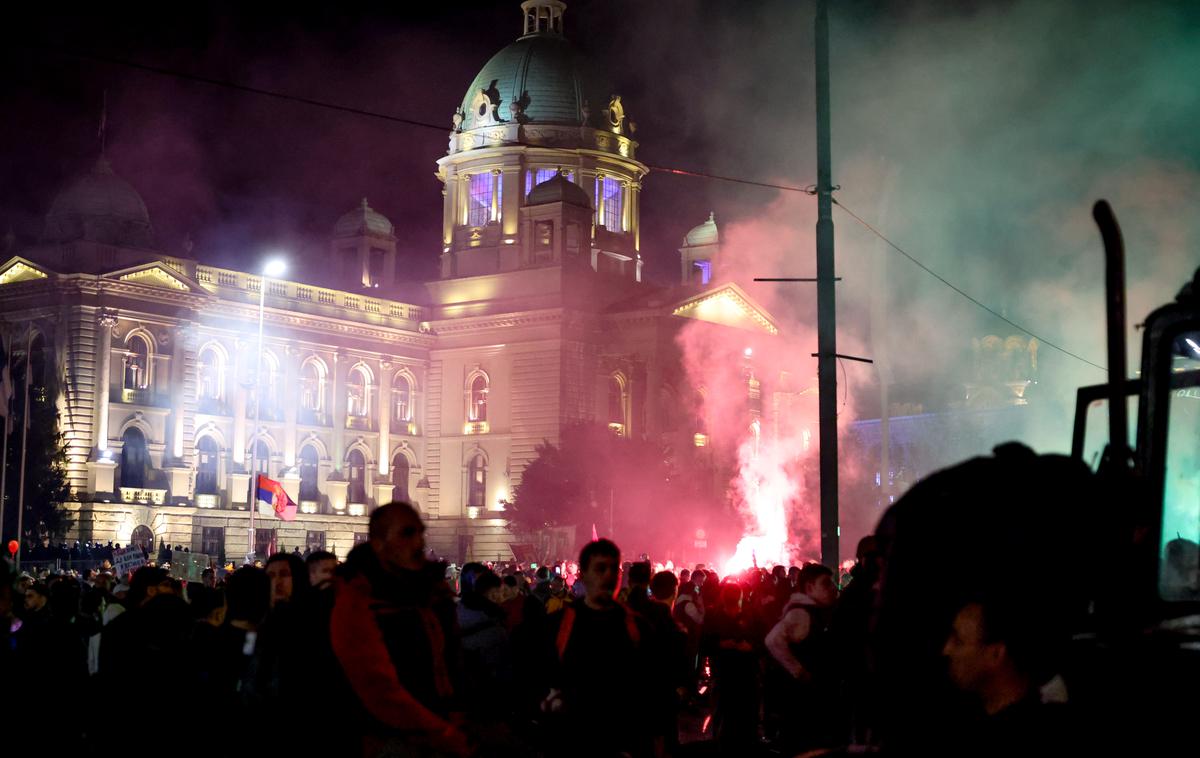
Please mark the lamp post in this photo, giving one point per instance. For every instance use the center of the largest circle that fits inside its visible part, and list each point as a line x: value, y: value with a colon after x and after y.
x: 272, y: 268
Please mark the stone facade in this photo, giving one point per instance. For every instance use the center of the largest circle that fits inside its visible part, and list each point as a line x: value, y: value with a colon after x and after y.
x: 539, y: 319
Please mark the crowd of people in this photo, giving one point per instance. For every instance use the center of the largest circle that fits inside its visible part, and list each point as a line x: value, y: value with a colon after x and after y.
x: 388, y: 653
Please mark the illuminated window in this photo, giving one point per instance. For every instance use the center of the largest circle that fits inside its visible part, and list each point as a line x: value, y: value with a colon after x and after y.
x: 358, y: 393
x: 534, y: 177
x: 137, y: 364
x: 702, y: 270
x: 476, y: 482
x: 356, y: 471
x: 402, y: 396
x: 477, y: 399
x: 211, y: 369
x: 207, y: 458
x: 260, y: 457
x: 309, y: 462
x: 400, y: 477
x: 376, y: 260
x: 312, y: 385
x: 135, y: 458
x: 270, y: 385
x: 610, y: 203
x: 484, y: 198
x: 618, y: 417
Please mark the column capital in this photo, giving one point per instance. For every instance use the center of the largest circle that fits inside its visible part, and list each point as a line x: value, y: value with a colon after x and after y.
x: 107, y: 317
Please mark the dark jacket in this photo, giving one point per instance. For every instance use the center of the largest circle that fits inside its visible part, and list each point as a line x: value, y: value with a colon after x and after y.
x: 396, y: 646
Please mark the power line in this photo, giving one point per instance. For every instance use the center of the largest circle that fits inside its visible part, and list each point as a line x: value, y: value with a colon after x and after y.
x: 949, y: 284
x: 659, y: 169
x: 254, y: 90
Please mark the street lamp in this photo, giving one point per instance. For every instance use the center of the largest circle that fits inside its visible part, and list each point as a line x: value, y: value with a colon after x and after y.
x: 274, y: 267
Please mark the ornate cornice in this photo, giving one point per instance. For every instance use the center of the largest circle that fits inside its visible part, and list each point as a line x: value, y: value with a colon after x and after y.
x: 505, y: 321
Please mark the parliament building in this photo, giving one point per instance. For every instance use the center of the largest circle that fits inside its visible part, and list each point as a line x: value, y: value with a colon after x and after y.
x: 356, y: 396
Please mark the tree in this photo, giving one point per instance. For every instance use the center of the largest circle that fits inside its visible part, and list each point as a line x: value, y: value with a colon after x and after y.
x: 635, y: 490
x: 46, y: 487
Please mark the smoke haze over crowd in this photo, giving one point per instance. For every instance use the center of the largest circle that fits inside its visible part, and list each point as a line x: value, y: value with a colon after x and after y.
x: 975, y: 135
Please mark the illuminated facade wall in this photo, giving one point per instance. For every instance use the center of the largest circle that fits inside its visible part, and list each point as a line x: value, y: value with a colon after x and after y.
x: 539, y: 319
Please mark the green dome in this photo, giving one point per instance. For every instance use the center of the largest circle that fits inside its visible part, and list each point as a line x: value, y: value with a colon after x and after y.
x: 559, y: 189
x: 102, y: 207
x: 546, y: 76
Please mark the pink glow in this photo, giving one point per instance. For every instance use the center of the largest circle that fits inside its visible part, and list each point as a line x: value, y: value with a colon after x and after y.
x: 770, y: 440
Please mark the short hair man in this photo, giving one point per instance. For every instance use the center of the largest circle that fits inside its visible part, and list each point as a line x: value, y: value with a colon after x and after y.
x: 391, y: 634
x: 321, y: 565
x: 799, y: 644
x: 995, y: 650
x: 598, y: 658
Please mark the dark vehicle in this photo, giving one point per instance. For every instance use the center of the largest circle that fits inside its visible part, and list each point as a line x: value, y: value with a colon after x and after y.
x: 1136, y: 669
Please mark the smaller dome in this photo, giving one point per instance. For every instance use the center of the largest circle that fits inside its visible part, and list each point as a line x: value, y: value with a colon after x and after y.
x: 704, y: 234
x: 102, y: 207
x: 363, y: 220
x: 559, y: 189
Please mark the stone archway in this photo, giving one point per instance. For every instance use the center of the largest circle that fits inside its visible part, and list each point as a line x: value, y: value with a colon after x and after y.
x: 143, y: 538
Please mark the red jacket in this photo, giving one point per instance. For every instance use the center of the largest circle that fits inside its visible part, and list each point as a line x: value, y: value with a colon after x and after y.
x: 393, y: 648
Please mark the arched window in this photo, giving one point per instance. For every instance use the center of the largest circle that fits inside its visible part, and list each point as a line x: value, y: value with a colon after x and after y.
x: 618, y: 420
x: 402, y: 396
x: 142, y: 538
x: 312, y: 386
x: 207, y: 458
x: 137, y: 364
x: 269, y: 386
x: 477, y: 399
x: 358, y: 393
x: 476, y: 482
x: 260, y: 457
x: 135, y: 458
x: 400, y: 477
x: 356, y: 470
x: 211, y: 369
x: 309, y: 461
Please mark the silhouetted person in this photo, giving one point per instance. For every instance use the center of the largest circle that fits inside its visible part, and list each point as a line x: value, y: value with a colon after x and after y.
x: 392, y: 635
x: 596, y: 659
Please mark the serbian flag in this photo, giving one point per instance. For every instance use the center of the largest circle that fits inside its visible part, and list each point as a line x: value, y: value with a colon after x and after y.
x: 273, y: 500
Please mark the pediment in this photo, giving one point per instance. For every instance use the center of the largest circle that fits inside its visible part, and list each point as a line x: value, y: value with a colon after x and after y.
x: 727, y: 305
x: 18, y: 269
x: 157, y: 274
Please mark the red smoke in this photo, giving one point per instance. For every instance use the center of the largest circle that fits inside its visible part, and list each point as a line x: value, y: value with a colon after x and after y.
x: 772, y: 438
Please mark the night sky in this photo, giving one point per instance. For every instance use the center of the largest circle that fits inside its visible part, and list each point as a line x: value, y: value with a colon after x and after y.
x: 975, y: 133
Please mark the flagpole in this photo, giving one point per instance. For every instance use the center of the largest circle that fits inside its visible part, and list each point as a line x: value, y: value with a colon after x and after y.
x: 262, y: 304
x: 24, y: 447
x: 5, y: 345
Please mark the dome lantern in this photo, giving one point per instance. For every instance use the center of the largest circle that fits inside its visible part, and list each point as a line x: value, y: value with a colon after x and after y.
x: 543, y: 16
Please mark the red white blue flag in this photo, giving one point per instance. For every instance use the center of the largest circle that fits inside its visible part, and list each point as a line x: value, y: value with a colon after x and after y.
x: 273, y: 500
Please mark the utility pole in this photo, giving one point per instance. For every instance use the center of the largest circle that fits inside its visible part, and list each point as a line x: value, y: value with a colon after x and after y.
x: 826, y: 304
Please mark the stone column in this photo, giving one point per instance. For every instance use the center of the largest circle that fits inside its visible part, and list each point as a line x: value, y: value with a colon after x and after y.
x: 102, y: 467
x: 635, y: 214
x: 184, y: 333
x: 341, y: 364
x: 106, y: 322
x: 449, y: 199
x: 179, y: 475
x: 385, y: 417
x: 238, y: 443
x: 291, y: 406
